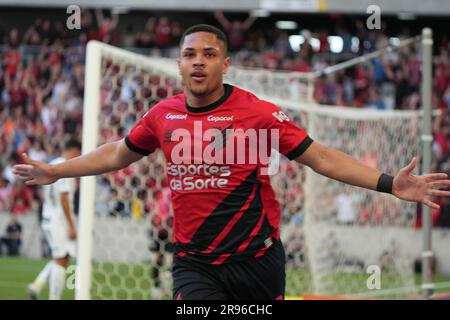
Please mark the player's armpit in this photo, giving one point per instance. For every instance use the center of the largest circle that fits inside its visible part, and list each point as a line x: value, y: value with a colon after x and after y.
x: 124, y: 155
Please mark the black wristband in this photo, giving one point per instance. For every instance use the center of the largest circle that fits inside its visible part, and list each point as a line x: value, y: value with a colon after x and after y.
x: 385, y: 183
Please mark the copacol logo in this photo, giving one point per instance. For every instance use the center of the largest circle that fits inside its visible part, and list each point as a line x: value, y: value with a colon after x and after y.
x: 221, y: 118
x: 73, y: 22
x: 170, y: 116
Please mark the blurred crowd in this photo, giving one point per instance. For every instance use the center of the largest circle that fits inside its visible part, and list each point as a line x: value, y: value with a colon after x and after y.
x: 42, y: 85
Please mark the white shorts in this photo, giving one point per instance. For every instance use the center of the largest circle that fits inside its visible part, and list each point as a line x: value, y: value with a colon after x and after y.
x: 58, y: 239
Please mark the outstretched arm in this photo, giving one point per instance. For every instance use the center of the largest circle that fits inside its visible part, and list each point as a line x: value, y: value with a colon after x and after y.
x: 339, y: 166
x: 108, y: 157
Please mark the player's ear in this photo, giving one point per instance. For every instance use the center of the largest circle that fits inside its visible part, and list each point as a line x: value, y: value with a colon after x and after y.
x: 226, y: 64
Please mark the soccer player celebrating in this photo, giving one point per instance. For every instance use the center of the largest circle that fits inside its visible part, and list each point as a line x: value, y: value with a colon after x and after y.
x: 226, y: 218
x: 59, y: 229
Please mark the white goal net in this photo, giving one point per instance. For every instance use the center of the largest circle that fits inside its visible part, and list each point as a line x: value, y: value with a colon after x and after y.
x: 333, y: 233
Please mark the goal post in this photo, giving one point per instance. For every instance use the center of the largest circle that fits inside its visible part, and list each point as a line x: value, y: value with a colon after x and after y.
x: 427, y: 139
x: 95, y: 53
x: 87, y: 184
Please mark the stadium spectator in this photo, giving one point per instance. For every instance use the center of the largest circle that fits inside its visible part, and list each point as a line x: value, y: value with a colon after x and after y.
x: 163, y: 33
x: 38, y: 151
x: 47, y: 32
x: 346, y: 208
x: 5, y: 194
x: 120, y: 203
x: 32, y: 36
x: 14, y: 39
x: 146, y: 38
x: 306, y: 50
x: 176, y: 33
x: 129, y: 38
x: 375, y: 100
x: 12, y: 238
x: 402, y: 88
x: 138, y: 207
x: 103, y: 194
x: 444, y: 215
x: 106, y: 26
x: 299, y: 64
x: 295, y: 242
x: 235, y: 29
x: 22, y: 198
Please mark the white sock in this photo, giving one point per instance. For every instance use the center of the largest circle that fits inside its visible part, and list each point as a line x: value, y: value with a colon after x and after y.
x: 57, y: 280
x: 43, y: 277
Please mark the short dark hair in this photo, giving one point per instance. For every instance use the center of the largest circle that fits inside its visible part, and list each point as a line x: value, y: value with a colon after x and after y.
x: 206, y: 28
x: 72, y: 144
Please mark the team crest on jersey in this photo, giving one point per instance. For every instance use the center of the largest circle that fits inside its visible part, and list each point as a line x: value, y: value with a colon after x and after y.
x: 280, y: 116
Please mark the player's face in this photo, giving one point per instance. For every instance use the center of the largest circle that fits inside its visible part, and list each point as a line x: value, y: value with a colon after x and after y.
x: 202, y: 63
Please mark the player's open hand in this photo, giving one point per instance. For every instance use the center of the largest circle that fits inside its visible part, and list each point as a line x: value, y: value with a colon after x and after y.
x: 409, y: 187
x: 34, y: 172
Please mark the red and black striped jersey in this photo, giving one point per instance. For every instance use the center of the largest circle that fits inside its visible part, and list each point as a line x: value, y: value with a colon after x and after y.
x: 217, y: 166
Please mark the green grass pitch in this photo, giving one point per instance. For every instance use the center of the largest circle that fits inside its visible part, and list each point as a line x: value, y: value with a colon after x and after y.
x: 17, y: 273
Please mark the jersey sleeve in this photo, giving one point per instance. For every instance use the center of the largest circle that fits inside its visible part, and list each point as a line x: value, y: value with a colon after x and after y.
x: 293, y: 140
x: 142, y: 138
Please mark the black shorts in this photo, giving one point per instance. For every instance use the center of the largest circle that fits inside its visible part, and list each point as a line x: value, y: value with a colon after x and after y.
x: 261, y: 278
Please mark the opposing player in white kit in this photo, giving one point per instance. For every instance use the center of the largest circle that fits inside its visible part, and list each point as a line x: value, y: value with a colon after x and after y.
x: 59, y: 228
